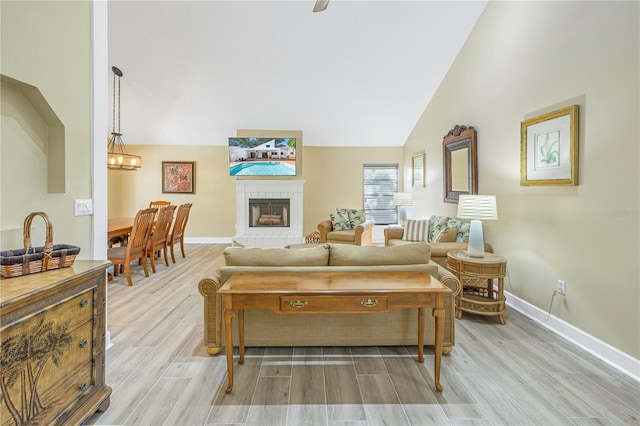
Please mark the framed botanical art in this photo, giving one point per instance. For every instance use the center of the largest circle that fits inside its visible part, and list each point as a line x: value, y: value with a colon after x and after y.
x: 549, y: 148
x: 178, y: 177
x: 417, y: 170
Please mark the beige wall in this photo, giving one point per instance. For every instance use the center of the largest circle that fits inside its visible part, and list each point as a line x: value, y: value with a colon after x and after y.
x: 333, y: 177
x: 47, y: 45
x: 523, y: 59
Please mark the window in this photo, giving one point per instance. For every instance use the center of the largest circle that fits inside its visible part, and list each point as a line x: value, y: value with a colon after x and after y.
x: 380, y: 183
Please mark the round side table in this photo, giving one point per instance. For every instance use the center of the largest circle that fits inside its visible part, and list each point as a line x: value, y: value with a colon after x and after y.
x: 476, y: 274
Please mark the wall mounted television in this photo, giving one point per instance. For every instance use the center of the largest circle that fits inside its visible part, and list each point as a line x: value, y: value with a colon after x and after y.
x: 262, y: 156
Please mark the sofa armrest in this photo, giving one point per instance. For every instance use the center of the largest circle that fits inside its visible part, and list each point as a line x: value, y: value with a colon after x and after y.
x: 447, y: 278
x: 392, y: 234
x: 324, y: 228
x: 364, y: 233
x: 213, y: 304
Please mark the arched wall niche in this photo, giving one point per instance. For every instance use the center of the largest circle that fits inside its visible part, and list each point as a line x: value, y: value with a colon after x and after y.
x: 26, y: 105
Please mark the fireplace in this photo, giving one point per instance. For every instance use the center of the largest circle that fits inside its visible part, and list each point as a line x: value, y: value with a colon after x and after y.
x: 269, y: 212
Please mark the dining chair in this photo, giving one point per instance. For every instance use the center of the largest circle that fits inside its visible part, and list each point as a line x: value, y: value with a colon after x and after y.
x: 136, y: 247
x: 158, y: 205
x: 158, y: 239
x: 179, y: 225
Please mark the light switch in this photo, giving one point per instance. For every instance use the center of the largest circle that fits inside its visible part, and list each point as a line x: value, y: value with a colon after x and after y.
x: 83, y: 207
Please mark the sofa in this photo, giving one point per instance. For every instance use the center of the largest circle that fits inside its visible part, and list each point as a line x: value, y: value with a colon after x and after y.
x: 265, y: 328
x: 347, y: 226
x: 442, y: 233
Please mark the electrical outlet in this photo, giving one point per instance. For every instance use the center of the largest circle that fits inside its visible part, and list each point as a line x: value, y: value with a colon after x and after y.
x: 562, y: 287
x: 83, y: 207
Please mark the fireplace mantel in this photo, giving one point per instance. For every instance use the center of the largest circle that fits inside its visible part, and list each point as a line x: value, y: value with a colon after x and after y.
x: 269, y: 189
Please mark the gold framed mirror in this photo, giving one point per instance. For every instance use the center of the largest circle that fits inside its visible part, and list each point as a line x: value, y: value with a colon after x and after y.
x: 460, y: 163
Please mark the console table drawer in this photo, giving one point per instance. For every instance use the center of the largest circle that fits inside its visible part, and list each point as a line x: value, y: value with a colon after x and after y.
x: 346, y: 304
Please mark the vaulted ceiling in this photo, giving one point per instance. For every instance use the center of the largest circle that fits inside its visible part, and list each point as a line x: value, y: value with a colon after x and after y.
x: 358, y: 74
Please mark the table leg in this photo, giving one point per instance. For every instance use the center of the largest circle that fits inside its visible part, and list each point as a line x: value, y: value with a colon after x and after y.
x: 241, y: 335
x: 420, y: 334
x: 228, y: 314
x: 439, y: 314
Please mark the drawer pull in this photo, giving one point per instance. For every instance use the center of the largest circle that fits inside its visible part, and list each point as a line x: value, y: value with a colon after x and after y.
x: 83, y: 387
x: 369, y: 303
x: 83, y: 344
x: 84, y: 303
x: 298, y: 303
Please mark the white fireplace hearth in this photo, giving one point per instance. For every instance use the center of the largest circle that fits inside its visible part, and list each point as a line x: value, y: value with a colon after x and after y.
x: 269, y: 236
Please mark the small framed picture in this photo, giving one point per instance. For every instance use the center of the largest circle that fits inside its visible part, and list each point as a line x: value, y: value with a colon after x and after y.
x: 549, y: 148
x: 178, y: 177
x: 417, y: 170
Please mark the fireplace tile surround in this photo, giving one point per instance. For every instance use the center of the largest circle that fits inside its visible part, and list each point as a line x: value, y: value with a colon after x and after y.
x: 277, y: 236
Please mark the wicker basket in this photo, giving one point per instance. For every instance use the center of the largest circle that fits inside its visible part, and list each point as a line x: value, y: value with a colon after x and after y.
x: 30, y: 260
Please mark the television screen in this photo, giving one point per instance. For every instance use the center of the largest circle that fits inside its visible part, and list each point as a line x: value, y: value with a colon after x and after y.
x: 262, y: 156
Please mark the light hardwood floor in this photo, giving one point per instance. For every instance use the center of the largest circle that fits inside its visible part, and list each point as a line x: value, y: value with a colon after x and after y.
x: 516, y: 374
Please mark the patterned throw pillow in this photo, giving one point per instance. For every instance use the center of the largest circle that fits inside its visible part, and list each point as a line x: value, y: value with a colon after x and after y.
x: 437, y: 224
x: 415, y: 230
x: 463, y: 233
x: 446, y: 235
x: 349, y: 215
x: 463, y: 230
x: 356, y: 217
x: 337, y: 222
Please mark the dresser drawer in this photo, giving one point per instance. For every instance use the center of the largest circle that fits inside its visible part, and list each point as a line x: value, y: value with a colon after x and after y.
x: 345, y: 304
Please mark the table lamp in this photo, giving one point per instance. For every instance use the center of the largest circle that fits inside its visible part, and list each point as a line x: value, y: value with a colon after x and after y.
x: 402, y: 199
x: 477, y: 208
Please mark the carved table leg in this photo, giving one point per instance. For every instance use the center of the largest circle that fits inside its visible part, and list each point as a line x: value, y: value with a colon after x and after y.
x: 420, y: 334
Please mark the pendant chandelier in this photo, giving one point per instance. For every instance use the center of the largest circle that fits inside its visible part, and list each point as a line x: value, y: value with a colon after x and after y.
x: 117, y: 156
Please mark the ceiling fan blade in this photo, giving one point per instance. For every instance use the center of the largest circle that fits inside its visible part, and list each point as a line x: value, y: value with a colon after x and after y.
x: 320, y: 5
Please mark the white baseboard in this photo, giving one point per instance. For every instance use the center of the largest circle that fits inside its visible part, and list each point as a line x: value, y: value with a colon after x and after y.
x: 612, y: 356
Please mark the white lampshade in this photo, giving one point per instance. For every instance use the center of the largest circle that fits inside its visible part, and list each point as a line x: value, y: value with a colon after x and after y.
x: 481, y: 207
x: 403, y: 199
x: 477, y: 208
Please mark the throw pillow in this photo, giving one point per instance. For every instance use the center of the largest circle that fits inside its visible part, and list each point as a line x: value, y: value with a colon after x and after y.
x: 463, y: 233
x: 415, y: 230
x: 345, y: 217
x: 337, y: 222
x: 446, y: 235
x: 348, y: 214
x: 437, y: 224
x: 356, y: 217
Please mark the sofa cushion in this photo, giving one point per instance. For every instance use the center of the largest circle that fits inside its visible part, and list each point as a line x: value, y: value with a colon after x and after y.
x: 416, y: 230
x: 338, y: 222
x: 408, y: 254
x: 346, y: 236
x: 313, y: 256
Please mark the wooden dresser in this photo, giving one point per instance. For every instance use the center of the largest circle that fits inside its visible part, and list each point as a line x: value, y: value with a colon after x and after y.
x: 52, y: 329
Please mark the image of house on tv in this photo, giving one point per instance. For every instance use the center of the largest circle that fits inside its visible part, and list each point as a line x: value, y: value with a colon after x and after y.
x: 256, y: 149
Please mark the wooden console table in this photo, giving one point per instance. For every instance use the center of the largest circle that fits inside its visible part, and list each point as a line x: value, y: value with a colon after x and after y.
x: 332, y: 293
x: 476, y: 274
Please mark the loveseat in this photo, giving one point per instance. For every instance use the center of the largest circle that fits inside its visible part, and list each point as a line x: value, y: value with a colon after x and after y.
x: 265, y: 328
x: 433, y: 231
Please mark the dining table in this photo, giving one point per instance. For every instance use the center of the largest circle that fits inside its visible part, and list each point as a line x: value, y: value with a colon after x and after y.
x: 119, y: 226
